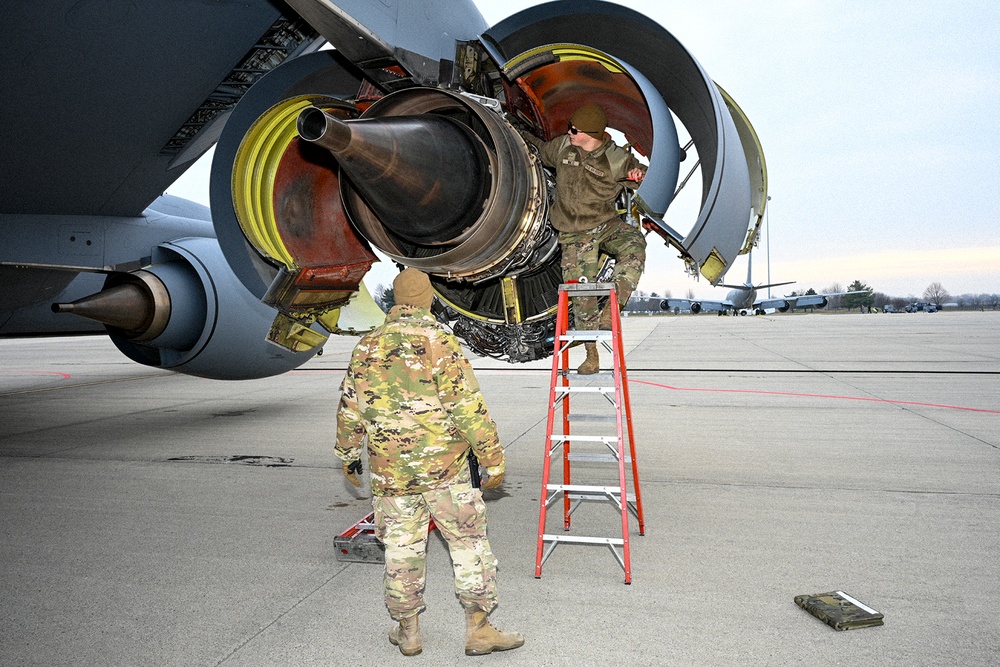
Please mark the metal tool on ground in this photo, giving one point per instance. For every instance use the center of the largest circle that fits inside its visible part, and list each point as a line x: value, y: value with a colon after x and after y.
x: 611, y: 448
x: 358, y: 543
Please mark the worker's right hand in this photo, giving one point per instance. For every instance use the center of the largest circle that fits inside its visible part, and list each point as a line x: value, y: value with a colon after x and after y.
x: 494, y: 479
x: 352, y: 471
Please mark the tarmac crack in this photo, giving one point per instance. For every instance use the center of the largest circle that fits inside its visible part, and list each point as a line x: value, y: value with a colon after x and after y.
x: 955, y: 430
x: 910, y: 410
x: 525, y: 432
x: 280, y: 616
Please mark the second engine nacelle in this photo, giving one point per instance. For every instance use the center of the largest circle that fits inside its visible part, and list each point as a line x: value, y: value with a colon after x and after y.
x: 187, y: 312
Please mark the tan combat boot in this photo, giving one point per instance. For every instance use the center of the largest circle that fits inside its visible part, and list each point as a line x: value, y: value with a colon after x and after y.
x: 592, y: 363
x: 406, y: 636
x: 605, y: 322
x: 481, y: 638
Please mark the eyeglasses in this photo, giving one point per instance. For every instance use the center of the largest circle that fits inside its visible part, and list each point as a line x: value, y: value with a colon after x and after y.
x: 575, y: 130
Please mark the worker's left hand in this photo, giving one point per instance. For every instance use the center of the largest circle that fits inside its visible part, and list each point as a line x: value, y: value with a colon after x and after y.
x: 352, y: 472
x: 636, y: 175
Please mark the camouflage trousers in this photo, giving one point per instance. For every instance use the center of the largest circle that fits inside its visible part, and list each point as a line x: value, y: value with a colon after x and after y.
x: 581, y: 257
x: 460, y: 515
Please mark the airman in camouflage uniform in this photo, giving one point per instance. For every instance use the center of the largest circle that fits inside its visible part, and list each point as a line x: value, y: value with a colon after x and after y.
x: 411, y: 391
x: 590, y: 173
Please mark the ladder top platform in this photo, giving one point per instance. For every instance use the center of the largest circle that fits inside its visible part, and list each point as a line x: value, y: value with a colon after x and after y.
x: 587, y: 289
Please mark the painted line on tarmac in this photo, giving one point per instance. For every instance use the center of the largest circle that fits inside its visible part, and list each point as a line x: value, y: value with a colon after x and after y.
x: 826, y: 396
x: 78, y: 385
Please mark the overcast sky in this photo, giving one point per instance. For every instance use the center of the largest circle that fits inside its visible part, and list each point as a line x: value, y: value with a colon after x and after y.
x: 878, y: 126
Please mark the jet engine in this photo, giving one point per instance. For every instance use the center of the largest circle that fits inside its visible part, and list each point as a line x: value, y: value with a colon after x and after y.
x: 439, y: 182
x: 324, y: 159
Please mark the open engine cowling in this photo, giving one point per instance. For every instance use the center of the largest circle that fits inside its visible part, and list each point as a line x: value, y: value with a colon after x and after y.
x: 297, y: 221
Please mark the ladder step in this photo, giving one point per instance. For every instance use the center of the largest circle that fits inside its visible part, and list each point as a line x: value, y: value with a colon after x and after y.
x: 586, y: 335
x: 583, y: 540
x: 587, y: 289
x: 593, y: 418
x: 581, y: 488
x: 596, y: 458
x: 605, y: 375
x: 629, y: 497
x: 584, y: 390
x: 584, y: 438
x: 580, y: 492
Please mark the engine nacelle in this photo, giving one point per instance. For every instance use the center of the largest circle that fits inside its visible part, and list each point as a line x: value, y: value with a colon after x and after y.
x: 188, y: 312
x: 695, y: 308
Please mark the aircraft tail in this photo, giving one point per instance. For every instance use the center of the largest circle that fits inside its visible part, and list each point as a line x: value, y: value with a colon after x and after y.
x: 748, y: 285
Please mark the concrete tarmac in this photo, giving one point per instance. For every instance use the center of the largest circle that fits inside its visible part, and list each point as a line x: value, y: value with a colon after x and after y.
x: 150, y: 518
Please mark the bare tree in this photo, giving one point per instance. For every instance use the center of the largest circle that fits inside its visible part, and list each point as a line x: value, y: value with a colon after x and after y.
x: 834, y: 302
x: 968, y: 301
x: 900, y: 302
x: 936, y: 294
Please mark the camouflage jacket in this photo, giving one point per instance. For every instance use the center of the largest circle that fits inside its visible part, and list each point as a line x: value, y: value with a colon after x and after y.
x: 411, y: 390
x: 586, y: 185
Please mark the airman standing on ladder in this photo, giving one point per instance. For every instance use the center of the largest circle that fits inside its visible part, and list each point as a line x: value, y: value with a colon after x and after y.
x: 411, y: 391
x: 590, y: 173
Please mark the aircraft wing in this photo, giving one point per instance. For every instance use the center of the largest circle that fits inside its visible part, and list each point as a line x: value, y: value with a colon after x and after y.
x: 786, y: 303
x: 696, y: 306
x: 109, y: 102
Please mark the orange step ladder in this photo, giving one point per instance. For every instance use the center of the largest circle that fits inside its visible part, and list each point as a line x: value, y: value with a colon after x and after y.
x: 611, y: 448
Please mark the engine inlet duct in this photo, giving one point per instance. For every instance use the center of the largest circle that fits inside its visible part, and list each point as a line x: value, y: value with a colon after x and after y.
x: 440, y: 183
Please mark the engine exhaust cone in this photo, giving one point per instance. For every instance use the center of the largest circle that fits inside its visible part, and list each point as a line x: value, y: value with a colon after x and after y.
x: 139, y: 306
x: 126, y: 307
x: 423, y: 176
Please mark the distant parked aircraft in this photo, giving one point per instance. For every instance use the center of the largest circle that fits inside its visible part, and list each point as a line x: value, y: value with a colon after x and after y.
x: 743, y: 299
